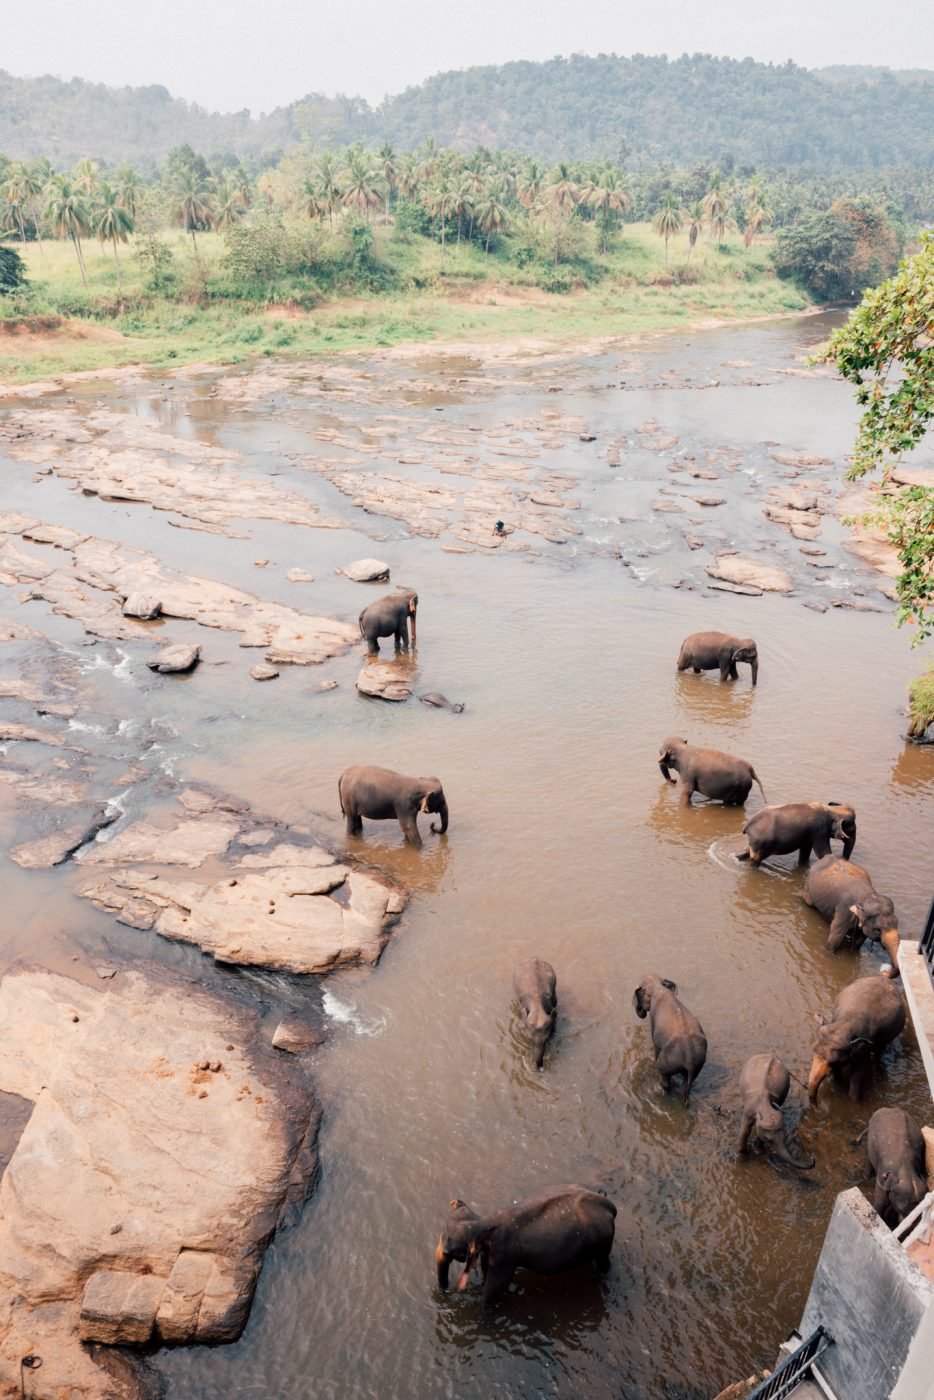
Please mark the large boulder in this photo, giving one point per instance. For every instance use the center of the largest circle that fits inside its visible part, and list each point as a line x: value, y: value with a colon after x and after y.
x: 385, y: 680
x: 366, y: 571
x: 738, y: 569
x: 175, y: 659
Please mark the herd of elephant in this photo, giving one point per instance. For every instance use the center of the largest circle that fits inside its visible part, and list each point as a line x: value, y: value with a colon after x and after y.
x: 569, y: 1225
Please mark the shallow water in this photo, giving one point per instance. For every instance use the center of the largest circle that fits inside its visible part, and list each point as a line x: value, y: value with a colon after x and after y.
x: 566, y: 843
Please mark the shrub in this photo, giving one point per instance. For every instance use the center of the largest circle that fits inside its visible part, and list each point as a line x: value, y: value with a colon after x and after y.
x: 12, y: 270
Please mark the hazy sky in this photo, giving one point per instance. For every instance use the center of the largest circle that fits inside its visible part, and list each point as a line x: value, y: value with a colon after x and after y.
x: 229, y: 54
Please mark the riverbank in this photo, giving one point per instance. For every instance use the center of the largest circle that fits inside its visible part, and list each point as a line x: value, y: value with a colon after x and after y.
x: 63, y: 327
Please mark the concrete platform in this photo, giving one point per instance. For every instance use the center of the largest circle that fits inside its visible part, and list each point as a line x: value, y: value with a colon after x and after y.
x: 920, y: 995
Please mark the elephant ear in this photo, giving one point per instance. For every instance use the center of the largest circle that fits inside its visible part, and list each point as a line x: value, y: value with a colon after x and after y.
x: 672, y: 986
x: 638, y: 1003
x: 856, y: 911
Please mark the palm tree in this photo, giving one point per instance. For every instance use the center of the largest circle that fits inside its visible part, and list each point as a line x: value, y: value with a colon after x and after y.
x: 605, y: 194
x: 530, y: 184
x: 440, y: 202
x: 22, y: 188
x: 491, y: 212
x: 561, y: 195
x: 85, y: 176
x: 667, y: 220
x: 389, y: 170
x: 407, y: 175
x: 716, y: 205
x: 67, y: 215
x: 696, y: 216
x: 192, y: 205
x: 328, y: 183
x: 229, y: 208
x: 463, y: 204
x: 109, y: 219
x: 129, y: 186
x: 756, y: 216
x: 308, y: 200
x: 15, y: 196
x: 362, y: 182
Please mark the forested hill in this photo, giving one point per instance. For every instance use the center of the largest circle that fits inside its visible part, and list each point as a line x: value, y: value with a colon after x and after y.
x: 645, y: 109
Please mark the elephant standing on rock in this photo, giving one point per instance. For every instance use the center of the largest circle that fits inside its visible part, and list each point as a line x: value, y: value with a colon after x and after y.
x: 867, y: 1015
x: 379, y: 794
x: 842, y: 893
x: 678, y: 1037
x: 534, y: 985
x: 801, y: 827
x: 763, y: 1085
x: 707, y: 771
x: 716, y: 651
x: 549, y: 1234
x: 389, y: 616
x: 895, y: 1157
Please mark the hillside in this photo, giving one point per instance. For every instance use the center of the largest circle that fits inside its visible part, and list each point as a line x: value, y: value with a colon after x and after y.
x: 647, y: 109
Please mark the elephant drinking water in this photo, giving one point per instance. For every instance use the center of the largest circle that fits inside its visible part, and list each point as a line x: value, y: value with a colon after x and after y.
x: 717, y: 651
x: 707, y: 771
x: 379, y: 794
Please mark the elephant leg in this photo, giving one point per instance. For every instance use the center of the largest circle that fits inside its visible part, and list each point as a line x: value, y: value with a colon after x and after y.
x: 601, y: 1258
x: 696, y: 670
x: 498, y: 1279
x: 839, y: 929
x: 745, y: 1130
x: 354, y: 824
x: 666, y: 1082
x: 756, y: 857
x: 410, y: 828
x: 685, y: 792
x: 857, y: 1077
x: 372, y: 646
x: 804, y: 853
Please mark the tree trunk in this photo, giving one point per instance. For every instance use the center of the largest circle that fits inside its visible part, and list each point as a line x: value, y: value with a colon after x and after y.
x: 117, y: 261
x: 84, y: 276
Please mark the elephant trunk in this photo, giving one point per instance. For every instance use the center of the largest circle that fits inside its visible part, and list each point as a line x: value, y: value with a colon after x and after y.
x: 891, y: 942
x: 443, y: 1264
x: 443, y: 813
x: 664, y: 770
x: 412, y: 625
x: 848, y: 843
x: 820, y: 1069
x: 780, y: 1149
x: 754, y: 668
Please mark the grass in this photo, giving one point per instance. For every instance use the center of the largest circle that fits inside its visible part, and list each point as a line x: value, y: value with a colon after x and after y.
x: 921, y: 703
x: 204, y: 317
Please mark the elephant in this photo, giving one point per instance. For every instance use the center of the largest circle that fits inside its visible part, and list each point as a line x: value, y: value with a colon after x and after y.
x: 549, y: 1234
x: 441, y: 702
x: 895, y: 1157
x: 842, y: 893
x: 801, y: 827
x: 763, y: 1085
x: 712, y: 651
x: 379, y: 794
x: 707, y: 771
x: 534, y: 985
x: 866, y: 1016
x: 388, y: 616
x: 678, y: 1037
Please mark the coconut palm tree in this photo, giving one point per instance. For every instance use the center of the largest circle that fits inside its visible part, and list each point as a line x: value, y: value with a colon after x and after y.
x: 129, y: 187
x: 192, y: 203
x: 388, y: 165
x: 85, y: 175
x: 695, y: 224
x: 229, y: 208
x: 67, y: 215
x: 308, y: 199
x: 561, y: 195
x: 716, y: 206
x: 440, y: 201
x: 330, y: 191
x: 491, y: 212
x: 15, y: 196
x: 606, y: 196
x: 530, y: 184
x: 463, y: 203
x: 756, y: 216
x: 363, y: 183
x: 667, y: 220
x: 110, y: 220
x: 21, y: 189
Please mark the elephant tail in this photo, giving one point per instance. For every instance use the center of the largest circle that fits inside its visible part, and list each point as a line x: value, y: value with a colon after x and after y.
x: 755, y: 777
x: 340, y: 798
x: 360, y: 624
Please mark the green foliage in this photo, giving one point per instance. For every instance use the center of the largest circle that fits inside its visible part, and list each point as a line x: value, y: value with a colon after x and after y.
x: 256, y: 253
x: 886, y: 349
x: 921, y: 703
x: 12, y: 270
x: 837, y: 254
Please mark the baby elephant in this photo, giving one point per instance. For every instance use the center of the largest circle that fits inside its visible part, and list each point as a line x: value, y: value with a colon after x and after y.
x: 534, y: 985
x: 895, y: 1157
x: 712, y: 651
x: 380, y: 795
x: 707, y: 771
x: 764, y: 1085
x: 801, y: 827
x: 843, y: 895
x: 678, y: 1037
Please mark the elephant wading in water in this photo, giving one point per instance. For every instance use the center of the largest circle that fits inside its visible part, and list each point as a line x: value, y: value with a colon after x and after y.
x: 380, y: 795
x: 842, y: 893
x: 799, y: 826
x: 716, y: 651
x: 707, y: 771
x: 389, y: 616
x: 534, y: 985
x: 678, y: 1037
x: 895, y: 1157
x: 764, y: 1085
x: 549, y: 1234
x: 866, y: 1016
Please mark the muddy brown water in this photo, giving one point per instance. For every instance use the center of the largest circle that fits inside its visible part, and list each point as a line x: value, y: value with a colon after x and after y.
x: 564, y: 842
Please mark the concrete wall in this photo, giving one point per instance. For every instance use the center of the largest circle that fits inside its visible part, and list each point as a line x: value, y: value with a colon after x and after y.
x: 917, y: 1380
x: 920, y: 994
x: 872, y: 1299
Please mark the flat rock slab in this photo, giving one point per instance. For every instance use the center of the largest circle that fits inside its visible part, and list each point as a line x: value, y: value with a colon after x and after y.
x: 738, y: 569
x: 385, y: 681
x: 299, y: 576
x: 165, y: 1144
x: 189, y: 841
x: 366, y: 571
x: 264, y: 673
x: 57, y: 846
x: 175, y: 659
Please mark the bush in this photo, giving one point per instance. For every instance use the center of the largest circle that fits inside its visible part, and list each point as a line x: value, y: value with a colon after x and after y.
x: 838, y: 254
x: 412, y: 218
x: 12, y: 270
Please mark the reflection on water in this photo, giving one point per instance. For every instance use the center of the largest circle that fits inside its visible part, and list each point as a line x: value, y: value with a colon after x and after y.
x: 565, y: 843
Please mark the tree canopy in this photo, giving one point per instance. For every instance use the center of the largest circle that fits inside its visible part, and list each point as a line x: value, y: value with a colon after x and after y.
x: 886, y: 349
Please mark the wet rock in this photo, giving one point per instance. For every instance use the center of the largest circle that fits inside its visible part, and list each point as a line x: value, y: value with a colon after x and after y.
x: 263, y: 672
x: 189, y: 841
x: 815, y: 606
x: 748, y: 589
x: 738, y: 569
x: 143, y: 606
x: 812, y: 550
x: 175, y: 659
x: 323, y: 686
x: 366, y: 571
x: 299, y: 576
x: 665, y: 503
x: 155, y: 1230
x: 23, y: 734
x: 385, y: 680
x: 57, y: 846
x: 800, y: 459
x: 693, y: 541
x: 294, y: 1035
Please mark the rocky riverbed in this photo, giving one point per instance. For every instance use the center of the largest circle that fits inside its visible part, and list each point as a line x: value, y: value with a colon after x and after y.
x: 178, y: 880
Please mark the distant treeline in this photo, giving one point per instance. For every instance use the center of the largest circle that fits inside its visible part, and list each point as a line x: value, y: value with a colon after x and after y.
x: 639, y: 111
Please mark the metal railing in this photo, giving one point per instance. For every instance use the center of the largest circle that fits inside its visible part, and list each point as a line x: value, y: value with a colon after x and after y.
x: 796, y: 1369
x: 926, y: 946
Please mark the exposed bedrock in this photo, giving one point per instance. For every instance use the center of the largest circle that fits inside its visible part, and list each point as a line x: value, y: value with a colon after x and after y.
x: 164, y: 1147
